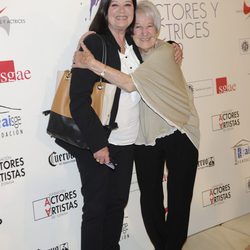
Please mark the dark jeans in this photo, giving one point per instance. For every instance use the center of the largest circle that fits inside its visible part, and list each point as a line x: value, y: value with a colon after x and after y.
x: 105, y: 194
x: 181, y: 158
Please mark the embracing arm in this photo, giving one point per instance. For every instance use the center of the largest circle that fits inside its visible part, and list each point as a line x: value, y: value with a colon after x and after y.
x: 85, y: 59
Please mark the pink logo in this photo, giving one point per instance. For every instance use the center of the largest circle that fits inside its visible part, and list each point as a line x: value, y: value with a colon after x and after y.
x: 92, y: 4
x: 2, y: 10
x: 9, y: 74
x: 246, y: 8
x: 222, y: 86
x: 5, y: 22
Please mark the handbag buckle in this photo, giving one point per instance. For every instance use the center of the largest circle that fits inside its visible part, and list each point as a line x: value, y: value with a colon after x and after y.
x: 68, y: 75
x: 100, y: 85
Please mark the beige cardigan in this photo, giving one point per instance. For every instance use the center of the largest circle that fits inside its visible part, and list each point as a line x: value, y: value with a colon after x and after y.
x: 167, y: 101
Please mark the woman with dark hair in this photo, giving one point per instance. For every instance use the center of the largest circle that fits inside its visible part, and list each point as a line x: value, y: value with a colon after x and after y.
x: 105, y: 191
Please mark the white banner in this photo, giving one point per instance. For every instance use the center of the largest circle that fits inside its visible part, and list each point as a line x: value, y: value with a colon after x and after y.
x: 39, y: 182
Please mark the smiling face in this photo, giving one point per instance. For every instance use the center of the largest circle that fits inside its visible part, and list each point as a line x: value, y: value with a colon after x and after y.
x: 145, y: 32
x: 120, y: 15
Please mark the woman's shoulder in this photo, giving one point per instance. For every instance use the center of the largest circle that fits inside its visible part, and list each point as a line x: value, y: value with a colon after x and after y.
x: 163, y: 47
x: 93, y: 39
x: 95, y: 43
x: 162, y: 50
x: 160, y: 43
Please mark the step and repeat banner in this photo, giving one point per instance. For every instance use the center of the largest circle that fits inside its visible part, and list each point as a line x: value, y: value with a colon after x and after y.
x: 39, y: 183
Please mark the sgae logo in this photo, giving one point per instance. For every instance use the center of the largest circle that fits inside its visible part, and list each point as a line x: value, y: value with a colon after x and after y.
x: 246, y: 7
x: 9, y: 74
x: 222, y: 86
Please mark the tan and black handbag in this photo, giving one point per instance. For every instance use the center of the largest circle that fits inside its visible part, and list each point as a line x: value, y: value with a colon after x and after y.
x: 61, y: 125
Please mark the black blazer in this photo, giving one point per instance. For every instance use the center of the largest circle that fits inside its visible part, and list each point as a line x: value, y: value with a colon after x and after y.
x: 82, y: 82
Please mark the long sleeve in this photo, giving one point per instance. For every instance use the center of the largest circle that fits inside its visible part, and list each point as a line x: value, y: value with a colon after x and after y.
x: 81, y: 87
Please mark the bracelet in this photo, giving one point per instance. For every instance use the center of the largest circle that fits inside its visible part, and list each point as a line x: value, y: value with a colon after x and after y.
x: 104, y: 71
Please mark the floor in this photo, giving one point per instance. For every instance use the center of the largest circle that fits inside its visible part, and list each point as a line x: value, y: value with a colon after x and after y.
x: 232, y: 235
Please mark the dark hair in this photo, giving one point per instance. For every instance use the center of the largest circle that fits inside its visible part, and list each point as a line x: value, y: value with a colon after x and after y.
x: 100, y: 23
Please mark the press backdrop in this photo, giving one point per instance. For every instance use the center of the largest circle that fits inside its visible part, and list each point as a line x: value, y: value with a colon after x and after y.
x: 39, y: 182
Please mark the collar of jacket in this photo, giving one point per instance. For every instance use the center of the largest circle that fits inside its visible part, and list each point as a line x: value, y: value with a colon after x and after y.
x: 110, y: 38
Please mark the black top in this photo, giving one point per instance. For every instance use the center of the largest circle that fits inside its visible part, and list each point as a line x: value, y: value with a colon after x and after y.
x: 82, y: 82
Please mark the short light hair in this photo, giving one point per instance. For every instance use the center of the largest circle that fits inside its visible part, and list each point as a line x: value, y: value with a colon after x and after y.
x: 150, y: 10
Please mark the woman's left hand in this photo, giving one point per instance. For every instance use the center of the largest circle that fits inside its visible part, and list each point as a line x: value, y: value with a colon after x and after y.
x: 178, y: 54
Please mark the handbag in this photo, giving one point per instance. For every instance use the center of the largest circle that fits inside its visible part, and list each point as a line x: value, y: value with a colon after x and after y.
x: 61, y: 125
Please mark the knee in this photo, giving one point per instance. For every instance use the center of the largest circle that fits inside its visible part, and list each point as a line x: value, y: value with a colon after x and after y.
x: 92, y: 211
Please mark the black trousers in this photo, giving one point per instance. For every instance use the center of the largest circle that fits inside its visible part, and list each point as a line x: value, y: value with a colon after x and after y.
x: 105, y: 194
x: 181, y: 158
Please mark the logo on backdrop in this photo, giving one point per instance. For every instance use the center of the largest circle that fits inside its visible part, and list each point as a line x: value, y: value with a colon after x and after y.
x: 241, y: 151
x: 63, y: 246
x: 125, y: 229
x: 11, y: 169
x: 10, y: 122
x: 134, y: 184
x: 92, y: 4
x: 9, y: 74
x: 206, y: 163
x: 202, y: 88
x: 222, y: 86
x: 6, y: 22
x: 248, y: 184
x: 216, y: 195
x: 226, y: 120
x: 56, y: 159
x: 55, y: 204
x: 246, y: 8
x: 244, y: 46
x: 187, y: 20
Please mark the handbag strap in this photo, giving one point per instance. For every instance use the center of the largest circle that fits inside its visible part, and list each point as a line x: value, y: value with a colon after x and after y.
x: 112, y: 124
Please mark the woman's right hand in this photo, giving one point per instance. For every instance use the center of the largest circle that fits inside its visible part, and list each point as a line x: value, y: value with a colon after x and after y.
x: 83, y: 59
x: 78, y: 56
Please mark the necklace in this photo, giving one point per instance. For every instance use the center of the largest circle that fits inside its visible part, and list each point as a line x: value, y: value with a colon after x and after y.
x: 123, y: 46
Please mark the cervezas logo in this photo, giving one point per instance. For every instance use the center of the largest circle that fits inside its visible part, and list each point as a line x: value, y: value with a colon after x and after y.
x: 8, y: 73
